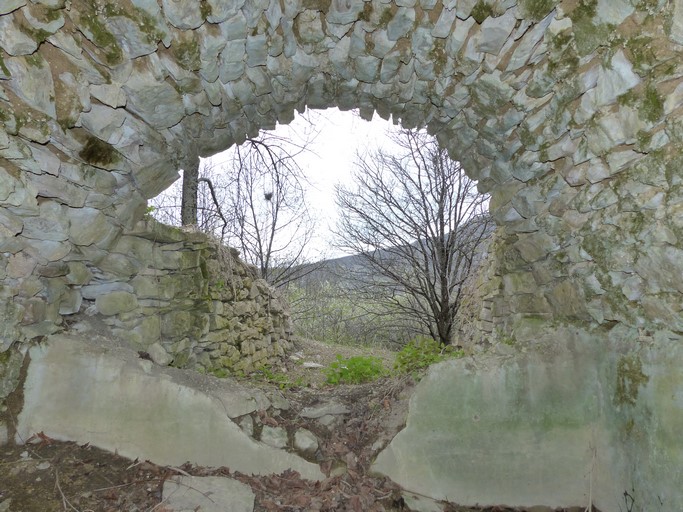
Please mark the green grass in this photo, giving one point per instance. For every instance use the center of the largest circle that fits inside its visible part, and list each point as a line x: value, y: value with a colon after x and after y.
x: 421, y: 353
x: 355, y: 370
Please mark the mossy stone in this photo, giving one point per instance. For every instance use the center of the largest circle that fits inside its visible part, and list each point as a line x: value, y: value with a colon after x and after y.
x: 98, y: 152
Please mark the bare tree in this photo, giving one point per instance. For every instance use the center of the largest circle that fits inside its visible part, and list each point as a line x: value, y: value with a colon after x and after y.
x: 253, y: 198
x: 418, y: 223
x: 270, y: 221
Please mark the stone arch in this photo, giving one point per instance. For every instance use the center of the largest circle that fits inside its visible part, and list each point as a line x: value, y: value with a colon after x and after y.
x: 567, y: 111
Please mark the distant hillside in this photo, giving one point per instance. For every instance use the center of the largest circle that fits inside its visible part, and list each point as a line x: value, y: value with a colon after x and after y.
x: 338, y: 270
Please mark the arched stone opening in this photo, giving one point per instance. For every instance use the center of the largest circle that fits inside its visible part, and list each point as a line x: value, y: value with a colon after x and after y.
x: 567, y: 112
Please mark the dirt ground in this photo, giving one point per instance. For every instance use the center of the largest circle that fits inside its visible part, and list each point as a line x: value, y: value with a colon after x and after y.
x: 45, y: 475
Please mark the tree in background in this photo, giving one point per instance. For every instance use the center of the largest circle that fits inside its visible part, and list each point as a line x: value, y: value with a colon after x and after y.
x: 252, y: 198
x: 419, y: 224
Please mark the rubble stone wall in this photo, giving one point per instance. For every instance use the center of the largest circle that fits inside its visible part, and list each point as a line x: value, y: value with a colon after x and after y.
x: 569, y: 112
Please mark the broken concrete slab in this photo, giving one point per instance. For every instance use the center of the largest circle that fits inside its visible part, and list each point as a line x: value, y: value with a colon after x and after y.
x: 526, y: 430
x: 208, y: 494
x: 93, y: 392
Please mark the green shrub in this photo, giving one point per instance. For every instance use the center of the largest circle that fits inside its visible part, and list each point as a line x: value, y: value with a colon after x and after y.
x: 422, y: 352
x: 355, y: 370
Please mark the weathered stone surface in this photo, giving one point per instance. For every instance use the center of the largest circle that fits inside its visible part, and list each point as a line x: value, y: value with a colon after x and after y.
x: 114, y: 407
x: 13, y: 40
x: 274, y: 436
x: 574, y: 130
x: 116, y: 302
x: 525, y: 426
x: 324, y: 410
x: 305, y: 441
x: 208, y: 494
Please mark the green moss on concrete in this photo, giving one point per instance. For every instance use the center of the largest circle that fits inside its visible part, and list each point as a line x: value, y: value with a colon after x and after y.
x: 481, y: 11
x: 630, y: 377
x: 536, y: 10
x: 98, y: 152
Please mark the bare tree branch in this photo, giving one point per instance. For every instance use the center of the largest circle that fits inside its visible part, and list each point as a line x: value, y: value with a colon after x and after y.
x: 419, y: 223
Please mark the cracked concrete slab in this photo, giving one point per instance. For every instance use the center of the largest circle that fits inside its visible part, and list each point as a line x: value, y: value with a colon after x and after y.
x: 91, y: 392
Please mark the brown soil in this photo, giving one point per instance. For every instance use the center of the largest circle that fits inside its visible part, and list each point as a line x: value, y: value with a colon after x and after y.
x: 44, y: 475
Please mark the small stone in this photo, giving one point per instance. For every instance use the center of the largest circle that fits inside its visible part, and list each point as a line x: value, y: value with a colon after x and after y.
x: 319, y: 411
x: 158, y: 354
x: 305, y: 441
x: 274, y: 436
x: 43, y: 465
x: 247, y: 425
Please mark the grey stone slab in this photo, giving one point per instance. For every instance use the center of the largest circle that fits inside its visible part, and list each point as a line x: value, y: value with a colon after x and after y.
x: 207, y: 494
x: 139, y: 409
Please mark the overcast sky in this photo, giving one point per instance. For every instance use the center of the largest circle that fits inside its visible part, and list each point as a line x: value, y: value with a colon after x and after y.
x: 328, y: 160
x: 331, y: 157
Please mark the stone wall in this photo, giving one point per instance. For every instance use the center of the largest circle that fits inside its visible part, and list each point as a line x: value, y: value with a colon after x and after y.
x: 177, y: 296
x: 569, y: 112
x: 187, y: 301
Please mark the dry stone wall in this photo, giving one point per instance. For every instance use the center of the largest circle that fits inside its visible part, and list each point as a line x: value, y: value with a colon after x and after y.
x: 186, y: 300
x: 177, y: 296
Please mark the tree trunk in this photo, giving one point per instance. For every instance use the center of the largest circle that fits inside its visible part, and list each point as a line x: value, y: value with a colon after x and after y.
x: 188, y: 207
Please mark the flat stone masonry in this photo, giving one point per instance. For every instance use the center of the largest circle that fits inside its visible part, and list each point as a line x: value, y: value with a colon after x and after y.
x: 570, y: 113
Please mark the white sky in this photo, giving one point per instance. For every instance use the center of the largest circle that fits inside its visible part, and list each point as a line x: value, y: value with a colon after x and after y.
x: 330, y: 159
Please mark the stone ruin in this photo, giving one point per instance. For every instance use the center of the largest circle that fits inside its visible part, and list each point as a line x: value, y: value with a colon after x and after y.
x: 569, y: 112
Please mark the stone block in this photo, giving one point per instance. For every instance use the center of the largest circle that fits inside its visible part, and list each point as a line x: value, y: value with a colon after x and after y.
x: 66, y: 399
x: 274, y: 436
x: 305, y: 441
x: 116, y: 302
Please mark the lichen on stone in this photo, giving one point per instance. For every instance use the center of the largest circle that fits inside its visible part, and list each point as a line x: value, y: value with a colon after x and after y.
x: 438, y: 55
x: 630, y: 377
x: 205, y: 9
x: 318, y: 5
x: 536, y: 10
x: 104, y: 39
x: 386, y: 16
x: 652, y: 106
x: 481, y: 11
x: 187, y: 54
x: 366, y: 12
